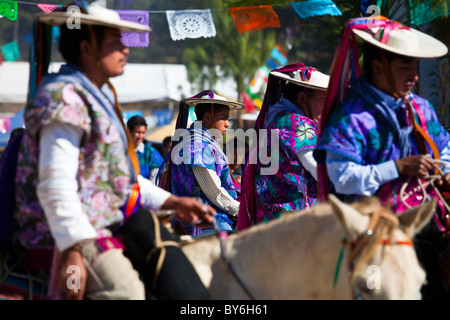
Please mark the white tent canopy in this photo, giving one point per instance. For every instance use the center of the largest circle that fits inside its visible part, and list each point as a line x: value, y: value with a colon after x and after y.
x: 139, y: 82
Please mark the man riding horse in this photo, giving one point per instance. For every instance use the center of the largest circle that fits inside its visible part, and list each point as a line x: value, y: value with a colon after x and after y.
x: 377, y: 134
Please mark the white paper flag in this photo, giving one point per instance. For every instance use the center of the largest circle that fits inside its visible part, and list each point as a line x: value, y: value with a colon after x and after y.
x: 190, y: 24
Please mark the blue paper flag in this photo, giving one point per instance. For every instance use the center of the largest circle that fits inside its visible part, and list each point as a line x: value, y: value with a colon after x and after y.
x: 11, y: 51
x: 277, y: 55
x: 311, y: 8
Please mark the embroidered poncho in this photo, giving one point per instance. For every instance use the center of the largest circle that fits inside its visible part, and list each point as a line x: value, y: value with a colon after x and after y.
x: 292, y: 187
x: 371, y: 127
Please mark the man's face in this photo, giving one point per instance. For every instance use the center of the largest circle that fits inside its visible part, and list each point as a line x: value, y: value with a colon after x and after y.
x: 316, y: 103
x: 138, y: 134
x: 404, y: 72
x: 113, y: 54
x: 221, y: 120
x: 311, y: 106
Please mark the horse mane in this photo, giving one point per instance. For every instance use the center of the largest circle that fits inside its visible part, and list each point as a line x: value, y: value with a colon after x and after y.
x: 383, y: 230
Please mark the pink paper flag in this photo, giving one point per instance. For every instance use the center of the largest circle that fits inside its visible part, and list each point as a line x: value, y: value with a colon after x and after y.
x: 47, y: 7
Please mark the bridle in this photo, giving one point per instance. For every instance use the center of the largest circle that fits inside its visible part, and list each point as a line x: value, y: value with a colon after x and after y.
x: 422, y: 185
x: 355, y: 247
x: 160, y: 245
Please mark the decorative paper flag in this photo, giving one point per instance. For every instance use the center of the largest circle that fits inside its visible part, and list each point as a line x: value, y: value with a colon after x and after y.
x: 254, y: 18
x: 8, y: 9
x: 190, y: 24
x: 277, y: 55
x: 47, y: 7
x: 272, y: 64
x: 311, y: 8
x: 421, y: 12
x: 254, y: 97
x: 135, y: 39
x: 11, y: 51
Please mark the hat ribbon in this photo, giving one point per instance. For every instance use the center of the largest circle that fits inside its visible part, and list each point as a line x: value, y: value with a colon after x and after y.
x: 306, y: 72
x: 391, y: 25
x: 204, y: 93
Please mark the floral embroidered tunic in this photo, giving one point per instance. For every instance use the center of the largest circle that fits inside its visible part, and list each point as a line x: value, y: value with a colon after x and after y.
x: 292, y: 187
x: 103, y: 175
x: 199, y: 148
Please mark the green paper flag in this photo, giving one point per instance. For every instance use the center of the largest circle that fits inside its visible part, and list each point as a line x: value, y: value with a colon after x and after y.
x: 8, y: 9
x: 11, y: 51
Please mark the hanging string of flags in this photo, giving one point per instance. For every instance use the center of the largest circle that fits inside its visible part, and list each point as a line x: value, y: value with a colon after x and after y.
x: 190, y: 23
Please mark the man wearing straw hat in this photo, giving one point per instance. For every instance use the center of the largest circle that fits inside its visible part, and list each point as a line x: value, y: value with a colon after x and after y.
x: 79, y: 197
x: 198, y: 166
x: 378, y: 137
x: 292, y: 107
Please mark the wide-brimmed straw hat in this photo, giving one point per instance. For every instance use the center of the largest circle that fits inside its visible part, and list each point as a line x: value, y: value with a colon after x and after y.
x: 403, y: 40
x: 97, y: 15
x: 208, y: 97
x: 306, y: 76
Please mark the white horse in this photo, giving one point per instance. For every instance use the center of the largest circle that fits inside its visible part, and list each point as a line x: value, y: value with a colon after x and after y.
x: 298, y: 255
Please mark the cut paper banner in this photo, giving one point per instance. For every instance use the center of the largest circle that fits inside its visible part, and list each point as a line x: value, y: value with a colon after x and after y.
x: 190, y: 24
x: 11, y: 51
x: 8, y: 9
x: 254, y: 18
x: 47, y: 7
x: 311, y: 8
x: 135, y: 39
x: 421, y: 12
x: 277, y: 55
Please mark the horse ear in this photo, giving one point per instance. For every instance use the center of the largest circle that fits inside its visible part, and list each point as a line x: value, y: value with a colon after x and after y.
x: 353, y: 221
x: 414, y: 219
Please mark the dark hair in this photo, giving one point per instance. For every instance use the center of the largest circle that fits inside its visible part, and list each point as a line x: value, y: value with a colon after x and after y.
x: 135, y: 121
x: 291, y: 90
x: 202, y: 108
x: 70, y: 40
x: 167, y: 140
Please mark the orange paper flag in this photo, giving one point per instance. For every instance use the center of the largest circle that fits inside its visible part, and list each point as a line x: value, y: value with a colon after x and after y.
x: 254, y: 18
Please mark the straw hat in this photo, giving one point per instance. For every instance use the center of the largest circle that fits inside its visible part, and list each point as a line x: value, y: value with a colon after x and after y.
x: 317, y: 79
x: 212, y: 97
x: 97, y: 15
x: 404, y: 41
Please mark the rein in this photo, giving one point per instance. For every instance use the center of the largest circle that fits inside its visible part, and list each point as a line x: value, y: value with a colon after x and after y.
x: 422, y: 187
x: 357, y: 246
x: 223, y: 236
x: 159, y: 245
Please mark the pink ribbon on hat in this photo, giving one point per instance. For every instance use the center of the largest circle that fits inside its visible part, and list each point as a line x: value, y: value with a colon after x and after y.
x: 388, y: 27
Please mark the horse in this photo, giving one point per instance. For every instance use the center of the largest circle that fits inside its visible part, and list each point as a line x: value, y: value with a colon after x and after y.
x: 330, y: 251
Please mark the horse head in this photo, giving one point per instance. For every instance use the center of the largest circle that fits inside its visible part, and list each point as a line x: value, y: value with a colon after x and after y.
x: 380, y: 255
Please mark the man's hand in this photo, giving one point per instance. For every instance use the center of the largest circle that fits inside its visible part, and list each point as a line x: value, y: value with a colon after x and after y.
x: 444, y: 183
x: 72, y: 257
x: 415, y: 166
x: 189, y: 209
